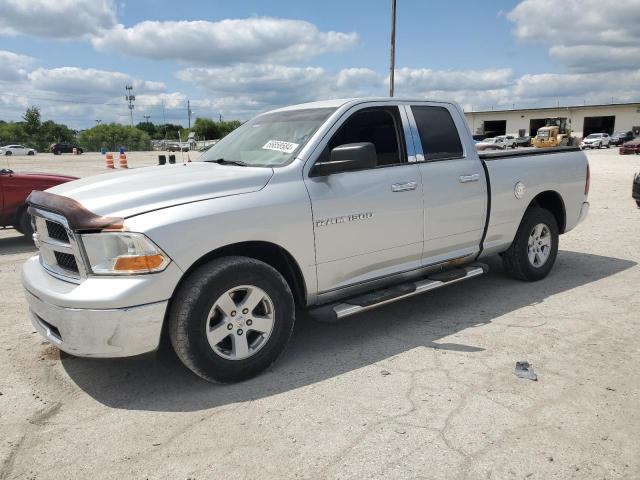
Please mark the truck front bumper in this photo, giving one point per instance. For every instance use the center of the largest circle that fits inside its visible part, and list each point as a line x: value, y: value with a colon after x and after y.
x: 93, y: 319
x: 118, y: 332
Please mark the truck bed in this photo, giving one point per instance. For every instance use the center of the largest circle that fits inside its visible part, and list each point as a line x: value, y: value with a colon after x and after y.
x: 525, y: 153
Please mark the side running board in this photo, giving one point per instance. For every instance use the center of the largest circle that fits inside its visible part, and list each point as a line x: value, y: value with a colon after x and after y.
x: 362, y: 303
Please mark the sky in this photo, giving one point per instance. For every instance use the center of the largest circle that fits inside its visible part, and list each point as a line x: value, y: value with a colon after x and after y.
x: 73, y: 58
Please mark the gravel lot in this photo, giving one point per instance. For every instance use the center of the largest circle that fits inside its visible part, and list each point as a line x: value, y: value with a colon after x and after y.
x: 418, y: 389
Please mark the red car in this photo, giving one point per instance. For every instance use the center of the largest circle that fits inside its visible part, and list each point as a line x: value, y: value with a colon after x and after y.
x: 14, y: 190
x: 632, y: 146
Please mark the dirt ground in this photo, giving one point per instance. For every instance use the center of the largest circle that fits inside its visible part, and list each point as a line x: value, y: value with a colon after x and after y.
x: 423, y: 388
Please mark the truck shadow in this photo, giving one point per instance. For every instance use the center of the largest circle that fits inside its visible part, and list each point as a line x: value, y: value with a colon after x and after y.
x: 159, y: 382
x: 16, y: 244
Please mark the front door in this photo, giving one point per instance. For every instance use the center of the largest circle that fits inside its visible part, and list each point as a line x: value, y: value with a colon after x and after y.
x: 455, y: 193
x: 367, y: 223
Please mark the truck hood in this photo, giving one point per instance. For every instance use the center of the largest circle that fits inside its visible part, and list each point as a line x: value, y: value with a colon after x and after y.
x: 132, y: 192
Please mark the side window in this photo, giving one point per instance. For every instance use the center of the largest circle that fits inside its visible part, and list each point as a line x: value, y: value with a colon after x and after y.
x: 380, y: 126
x: 438, y: 133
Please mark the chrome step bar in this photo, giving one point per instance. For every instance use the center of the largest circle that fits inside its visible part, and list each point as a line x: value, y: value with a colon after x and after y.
x: 338, y: 311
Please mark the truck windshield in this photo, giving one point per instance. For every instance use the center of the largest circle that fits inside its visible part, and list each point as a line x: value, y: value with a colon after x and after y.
x: 268, y: 140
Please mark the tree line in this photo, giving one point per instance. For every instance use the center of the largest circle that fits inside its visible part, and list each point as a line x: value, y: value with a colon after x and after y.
x: 35, y: 133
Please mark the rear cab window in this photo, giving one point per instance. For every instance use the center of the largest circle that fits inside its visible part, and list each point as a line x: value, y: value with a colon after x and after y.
x: 438, y: 133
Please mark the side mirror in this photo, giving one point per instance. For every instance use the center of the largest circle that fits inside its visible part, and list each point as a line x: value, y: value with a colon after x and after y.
x: 350, y: 156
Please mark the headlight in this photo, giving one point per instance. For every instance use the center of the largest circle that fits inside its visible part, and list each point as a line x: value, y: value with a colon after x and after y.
x: 123, y: 253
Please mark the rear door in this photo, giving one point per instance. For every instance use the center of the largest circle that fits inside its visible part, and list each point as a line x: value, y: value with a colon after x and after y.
x: 454, y: 183
x: 368, y: 224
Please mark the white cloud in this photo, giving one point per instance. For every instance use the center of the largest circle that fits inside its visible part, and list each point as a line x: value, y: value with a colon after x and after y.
x: 14, y: 66
x: 79, y: 81
x: 224, y: 42
x: 423, y: 80
x: 57, y: 19
x: 584, y: 35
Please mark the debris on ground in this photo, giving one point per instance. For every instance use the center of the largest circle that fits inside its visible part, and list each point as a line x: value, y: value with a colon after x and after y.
x: 525, y: 370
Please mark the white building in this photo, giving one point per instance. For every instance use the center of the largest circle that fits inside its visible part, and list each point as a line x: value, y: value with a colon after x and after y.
x: 583, y: 119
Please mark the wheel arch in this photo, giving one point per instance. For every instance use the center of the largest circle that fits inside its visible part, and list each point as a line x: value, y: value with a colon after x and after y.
x: 267, y: 252
x: 552, y: 201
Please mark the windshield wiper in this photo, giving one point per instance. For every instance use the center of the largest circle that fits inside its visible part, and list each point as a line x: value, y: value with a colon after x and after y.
x: 222, y: 161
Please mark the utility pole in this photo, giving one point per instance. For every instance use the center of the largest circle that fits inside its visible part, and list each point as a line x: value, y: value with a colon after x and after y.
x: 392, y: 63
x: 189, y: 112
x: 130, y: 98
x: 220, y: 118
x: 98, y: 121
x: 147, y: 117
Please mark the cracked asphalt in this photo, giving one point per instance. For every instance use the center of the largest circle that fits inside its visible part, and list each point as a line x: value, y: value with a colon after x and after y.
x: 424, y: 388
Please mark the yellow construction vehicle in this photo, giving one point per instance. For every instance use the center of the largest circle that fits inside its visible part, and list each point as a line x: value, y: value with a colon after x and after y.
x: 556, y: 133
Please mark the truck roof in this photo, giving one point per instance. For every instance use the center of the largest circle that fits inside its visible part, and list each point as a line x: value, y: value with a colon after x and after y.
x: 337, y: 103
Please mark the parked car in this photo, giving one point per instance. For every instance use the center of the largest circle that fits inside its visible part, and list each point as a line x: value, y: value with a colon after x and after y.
x: 336, y: 207
x: 596, y: 140
x: 635, y: 193
x: 632, y: 146
x: 618, y: 138
x: 14, y: 190
x: 59, y: 148
x: 509, y: 141
x: 176, y: 146
x: 523, y: 141
x: 17, y: 150
x: 489, y: 144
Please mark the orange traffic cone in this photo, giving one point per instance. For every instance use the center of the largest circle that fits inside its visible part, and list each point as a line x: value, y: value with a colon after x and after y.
x: 123, y: 161
x: 109, y: 160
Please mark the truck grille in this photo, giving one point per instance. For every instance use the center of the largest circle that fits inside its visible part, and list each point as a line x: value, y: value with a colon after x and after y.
x: 57, y: 231
x: 59, y: 251
x: 66, y: 261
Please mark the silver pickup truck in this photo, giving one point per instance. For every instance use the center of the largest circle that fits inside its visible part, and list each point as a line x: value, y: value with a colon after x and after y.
x: 335, y: 207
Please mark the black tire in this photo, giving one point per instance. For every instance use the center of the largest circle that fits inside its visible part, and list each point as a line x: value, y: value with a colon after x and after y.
x: 638, y: 203
x: 24, y: 224
x: 8, y: 153
x: 516, y: 259
x: 80, y: 151
x: 189, y: 317
x: 31, y: 153
x: 57, y: 152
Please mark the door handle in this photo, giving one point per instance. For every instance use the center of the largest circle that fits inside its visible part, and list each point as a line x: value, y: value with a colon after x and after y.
x: 469, y: 178
x: 404, y: 187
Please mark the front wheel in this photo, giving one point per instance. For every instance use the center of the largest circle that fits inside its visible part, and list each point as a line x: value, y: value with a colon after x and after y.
x: 31, y: 152
x: 534, y: 249
x: 8, y: 153
x: 24, y: 224
x: 231, y: 319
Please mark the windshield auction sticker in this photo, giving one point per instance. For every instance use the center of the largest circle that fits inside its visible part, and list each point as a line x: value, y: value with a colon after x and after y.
x: 280, y: 146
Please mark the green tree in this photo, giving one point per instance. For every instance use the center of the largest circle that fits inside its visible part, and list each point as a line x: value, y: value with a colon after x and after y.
x: 208, y: 129
x: 112, y: 136
x: 32, y: 122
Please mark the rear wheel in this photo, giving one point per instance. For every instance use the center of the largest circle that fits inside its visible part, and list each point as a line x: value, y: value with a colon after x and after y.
x: 231, y: 319
x: 31, y: 152
x: 534, y: 249
x: 8, y: 153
